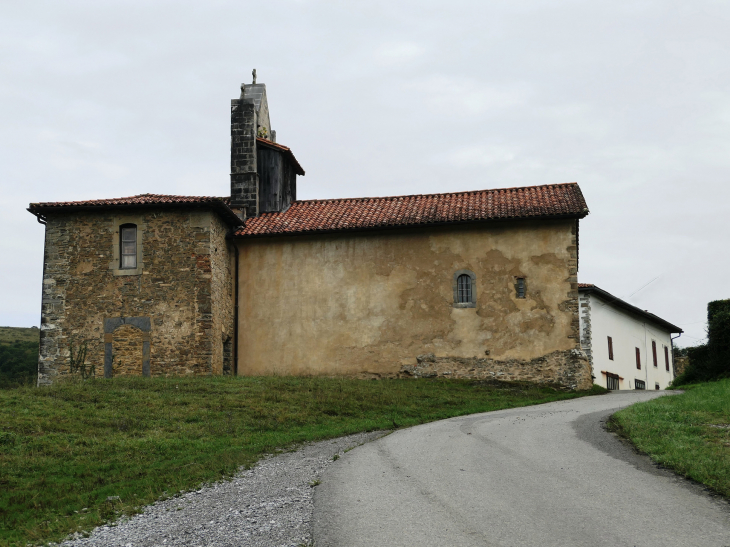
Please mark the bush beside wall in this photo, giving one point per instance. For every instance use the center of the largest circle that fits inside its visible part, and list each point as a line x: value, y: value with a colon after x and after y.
x: 712, y: 360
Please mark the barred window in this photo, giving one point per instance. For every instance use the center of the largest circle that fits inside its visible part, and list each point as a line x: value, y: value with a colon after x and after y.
x: 128, y: 246
x: 464, y: 288
x: 520, y: 286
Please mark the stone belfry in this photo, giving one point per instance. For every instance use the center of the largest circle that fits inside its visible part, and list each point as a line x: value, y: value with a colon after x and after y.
x: 249, y: 120
x: 263, y: 172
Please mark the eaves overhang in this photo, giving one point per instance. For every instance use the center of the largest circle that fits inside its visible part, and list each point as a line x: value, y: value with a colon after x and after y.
x: 586, y: 288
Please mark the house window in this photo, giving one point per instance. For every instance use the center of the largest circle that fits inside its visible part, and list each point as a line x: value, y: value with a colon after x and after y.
x: 656, y: 386
x: 639, y: 384
x: 638, y: 359
x: 128, y: 247
x: 610, y: 348
x: 653, y: 353
x: 666, y: 357
x: 465, y: 290
x: 520, y: 287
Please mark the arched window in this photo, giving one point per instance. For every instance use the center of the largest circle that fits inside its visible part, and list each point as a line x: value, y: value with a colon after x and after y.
x: 465, y: 289
x: 128, y: 247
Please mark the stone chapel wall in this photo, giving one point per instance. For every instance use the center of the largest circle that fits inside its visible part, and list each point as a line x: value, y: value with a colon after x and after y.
x: 159, y: 321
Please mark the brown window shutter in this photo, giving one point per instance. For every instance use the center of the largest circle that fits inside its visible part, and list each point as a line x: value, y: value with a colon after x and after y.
x: 610, y: 348
x: 666, y: 357
x: 638, y: 358
x: 653, y: 352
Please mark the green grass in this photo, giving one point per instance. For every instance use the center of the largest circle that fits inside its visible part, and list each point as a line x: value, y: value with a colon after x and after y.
x: 689, y: 433
x: 8, y: 335
x: 67, y: 448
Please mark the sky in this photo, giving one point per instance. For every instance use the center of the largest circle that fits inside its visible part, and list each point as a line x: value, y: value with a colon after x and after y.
x: 631, y: 99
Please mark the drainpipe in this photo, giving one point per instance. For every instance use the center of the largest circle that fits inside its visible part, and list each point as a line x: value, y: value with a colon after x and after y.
x: 646, y: 363
x: 671, y: 346
x: 235, y: 313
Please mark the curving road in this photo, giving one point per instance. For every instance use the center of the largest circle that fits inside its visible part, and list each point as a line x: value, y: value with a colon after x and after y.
x: 534, y: 476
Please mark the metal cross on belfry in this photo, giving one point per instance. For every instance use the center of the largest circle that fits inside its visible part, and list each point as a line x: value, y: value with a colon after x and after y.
x: 254, y: 75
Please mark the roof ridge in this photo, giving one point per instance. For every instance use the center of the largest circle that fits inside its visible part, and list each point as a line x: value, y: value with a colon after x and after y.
x: 463, y: 192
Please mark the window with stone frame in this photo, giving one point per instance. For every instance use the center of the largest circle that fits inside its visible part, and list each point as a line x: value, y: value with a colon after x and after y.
x: 465, y: 290
x: 128, y: 247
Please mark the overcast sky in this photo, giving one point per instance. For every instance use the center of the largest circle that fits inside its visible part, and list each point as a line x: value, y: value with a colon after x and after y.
x: 631, y: 99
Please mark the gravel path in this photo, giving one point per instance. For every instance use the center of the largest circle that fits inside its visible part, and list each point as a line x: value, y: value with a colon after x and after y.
x: 269, y: 505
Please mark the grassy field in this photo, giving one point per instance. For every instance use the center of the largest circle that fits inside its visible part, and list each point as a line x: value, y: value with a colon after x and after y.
x: 689, y: 433
x: 65, y: 450
x: 8, y: 335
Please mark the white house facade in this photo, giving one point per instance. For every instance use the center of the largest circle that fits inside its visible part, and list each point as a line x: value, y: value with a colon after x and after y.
x: 628, y: 348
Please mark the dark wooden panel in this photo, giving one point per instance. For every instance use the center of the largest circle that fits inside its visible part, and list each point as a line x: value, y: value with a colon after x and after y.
x: 270, y: 180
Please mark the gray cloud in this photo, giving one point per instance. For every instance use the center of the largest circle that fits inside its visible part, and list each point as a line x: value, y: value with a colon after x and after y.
x: 630, y: 99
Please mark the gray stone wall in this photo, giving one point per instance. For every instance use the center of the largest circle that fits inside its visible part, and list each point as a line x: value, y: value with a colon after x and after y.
x: 585, y: 335
x: 222, y: 273
x: 244, y: 177
x: 183, y: 291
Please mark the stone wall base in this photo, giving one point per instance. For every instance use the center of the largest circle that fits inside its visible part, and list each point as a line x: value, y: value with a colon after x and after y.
x: 569, y: 369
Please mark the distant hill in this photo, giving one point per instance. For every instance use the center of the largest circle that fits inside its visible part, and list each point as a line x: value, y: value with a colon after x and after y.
x: 18, y: 356
x: 8, y: 335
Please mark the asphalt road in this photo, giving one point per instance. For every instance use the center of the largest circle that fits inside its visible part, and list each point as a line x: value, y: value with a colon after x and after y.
x: 535, y: 476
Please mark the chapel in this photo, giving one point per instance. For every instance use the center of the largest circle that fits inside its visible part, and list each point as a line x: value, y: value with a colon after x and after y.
x: 475, y: 284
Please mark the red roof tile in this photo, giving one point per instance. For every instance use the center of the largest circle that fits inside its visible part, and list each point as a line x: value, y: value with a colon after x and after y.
x: 142, y: 200
x: 549, y: 201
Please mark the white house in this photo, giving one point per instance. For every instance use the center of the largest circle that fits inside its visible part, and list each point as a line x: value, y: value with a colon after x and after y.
x: 628, y: 348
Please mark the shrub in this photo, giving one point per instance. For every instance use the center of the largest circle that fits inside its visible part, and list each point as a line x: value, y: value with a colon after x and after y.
x: 712, y: 360
x: 18, y: 363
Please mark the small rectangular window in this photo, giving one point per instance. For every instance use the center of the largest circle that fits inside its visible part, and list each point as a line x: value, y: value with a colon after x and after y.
x: 653, y: 353
x: 521, y: 287
x: 639, y: 384
x: 638, y: 359
x: 666, y: 357
x: 128, y: 247
x: 610, y: 348
x: 656, y: 386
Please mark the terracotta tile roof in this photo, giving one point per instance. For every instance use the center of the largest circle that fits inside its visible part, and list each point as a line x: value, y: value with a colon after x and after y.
x: 585, y: 285
x: 143, y: 200
x: 281, y: 148
x: 549, y: 201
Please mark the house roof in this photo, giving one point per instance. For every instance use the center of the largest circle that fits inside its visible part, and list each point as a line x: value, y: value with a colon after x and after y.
x: 633, y: 310
x: 218, y: 204
x: 285, y: 150
x: 313, y: 216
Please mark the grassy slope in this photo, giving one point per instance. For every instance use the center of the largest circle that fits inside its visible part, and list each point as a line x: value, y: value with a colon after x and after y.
x: 689, y: 433
x: 70, y: 446
x: 9, y: 335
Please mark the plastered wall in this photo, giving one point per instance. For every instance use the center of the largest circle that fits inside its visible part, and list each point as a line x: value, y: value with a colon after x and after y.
x: 382, y: 304
x: 599, y: 320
